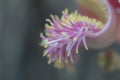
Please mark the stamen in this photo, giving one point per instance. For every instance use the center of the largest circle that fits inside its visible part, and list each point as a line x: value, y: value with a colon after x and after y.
x: 65, y: 34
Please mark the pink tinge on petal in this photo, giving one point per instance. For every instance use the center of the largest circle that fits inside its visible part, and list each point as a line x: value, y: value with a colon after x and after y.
x: 115, y: 3
x: 108, y: 34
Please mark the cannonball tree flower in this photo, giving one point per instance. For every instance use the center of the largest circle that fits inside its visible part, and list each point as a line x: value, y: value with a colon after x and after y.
x: 96, y: 27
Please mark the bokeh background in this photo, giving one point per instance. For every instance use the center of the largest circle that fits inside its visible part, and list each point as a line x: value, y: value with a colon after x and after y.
x: 21, y: 22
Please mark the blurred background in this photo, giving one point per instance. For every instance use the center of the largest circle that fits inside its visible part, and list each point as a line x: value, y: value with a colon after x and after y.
x: 21, y: 22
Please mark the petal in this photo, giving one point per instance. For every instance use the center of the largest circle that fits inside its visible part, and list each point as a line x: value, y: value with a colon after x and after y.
x: 115, y: 3
x: 118, y: 38
x: 108, y: 34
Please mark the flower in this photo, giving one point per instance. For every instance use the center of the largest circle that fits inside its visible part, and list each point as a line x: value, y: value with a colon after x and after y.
x: 97, y: 26
x: 63, y: 36
x: 108, y: 12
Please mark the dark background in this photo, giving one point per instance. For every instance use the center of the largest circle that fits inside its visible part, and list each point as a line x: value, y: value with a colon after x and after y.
x: 21, y: 22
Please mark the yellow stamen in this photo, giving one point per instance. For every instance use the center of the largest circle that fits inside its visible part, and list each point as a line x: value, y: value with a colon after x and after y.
x: 86, y: 47
x: 45, y: 46
x: 45, y: 53
x: 76, y: 51
x: 47, y: 26
x: 75, y: 38
x: 49, y: 61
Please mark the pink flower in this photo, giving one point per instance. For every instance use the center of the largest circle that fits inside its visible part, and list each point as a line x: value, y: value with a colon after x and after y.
x: 63, y: 36
x: 108, y: 12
